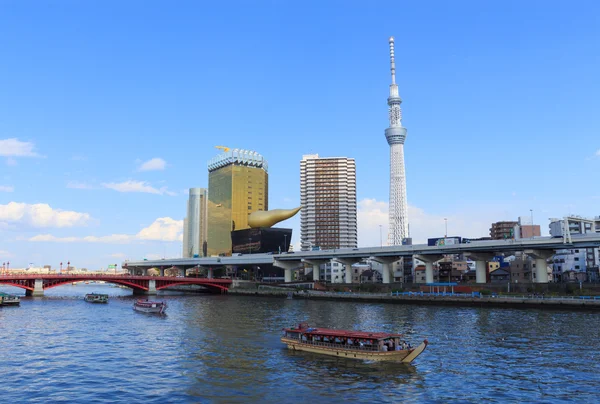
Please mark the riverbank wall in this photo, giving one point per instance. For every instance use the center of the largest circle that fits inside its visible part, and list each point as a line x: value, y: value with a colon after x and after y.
x: 523, y: 302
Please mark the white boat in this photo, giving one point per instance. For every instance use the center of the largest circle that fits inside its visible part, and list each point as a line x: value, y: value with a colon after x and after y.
x: 96, y: 298
x: 9, y: 300
x: 148, y: 306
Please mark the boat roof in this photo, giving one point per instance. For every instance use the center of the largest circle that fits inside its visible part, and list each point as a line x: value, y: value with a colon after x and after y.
x: 343, y: 333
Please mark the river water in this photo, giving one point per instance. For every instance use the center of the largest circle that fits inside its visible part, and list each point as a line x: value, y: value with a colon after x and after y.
x: 226, y: 349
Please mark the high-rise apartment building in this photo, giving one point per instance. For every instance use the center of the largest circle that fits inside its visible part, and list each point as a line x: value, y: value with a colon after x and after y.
x: 238, y: 184
x: 195, y: 224
x: 328, y: 199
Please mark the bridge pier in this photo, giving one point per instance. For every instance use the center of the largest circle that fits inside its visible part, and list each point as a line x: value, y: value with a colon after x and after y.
x: 151, y: 289
x: 481, y: 259
x: 316, y: 268
x: 429, y: 260
x: 541, y: 266
x: 288, y: 267
x: 387, y: 266
x: 347, y: 268
x: 38, y: 288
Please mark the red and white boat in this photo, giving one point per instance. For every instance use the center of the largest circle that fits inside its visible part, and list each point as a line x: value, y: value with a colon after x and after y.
x: 375, y: 346
x: 148, y: 306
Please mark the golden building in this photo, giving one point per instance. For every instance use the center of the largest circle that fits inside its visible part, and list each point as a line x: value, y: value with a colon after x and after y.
x: 238, y: 184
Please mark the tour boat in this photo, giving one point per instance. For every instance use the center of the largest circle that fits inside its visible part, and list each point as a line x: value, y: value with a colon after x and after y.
x: 9, y: 300
x: 375, y: 346
x: 146, y: 306
x: 96, y: 298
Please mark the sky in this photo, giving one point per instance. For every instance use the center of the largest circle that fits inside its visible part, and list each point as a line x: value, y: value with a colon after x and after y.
x: 110, y: 111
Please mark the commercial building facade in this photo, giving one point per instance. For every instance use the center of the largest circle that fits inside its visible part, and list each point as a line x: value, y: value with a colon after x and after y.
x: 195, y: 225
x: 238, y: 184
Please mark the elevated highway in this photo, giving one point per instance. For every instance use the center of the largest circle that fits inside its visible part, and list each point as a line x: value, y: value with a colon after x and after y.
x: 540, y: 248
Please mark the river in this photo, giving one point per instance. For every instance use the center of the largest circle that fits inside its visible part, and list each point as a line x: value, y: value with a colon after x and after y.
x: 226, y: 349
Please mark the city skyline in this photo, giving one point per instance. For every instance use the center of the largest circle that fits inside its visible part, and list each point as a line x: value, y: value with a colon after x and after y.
x: 101, y: 138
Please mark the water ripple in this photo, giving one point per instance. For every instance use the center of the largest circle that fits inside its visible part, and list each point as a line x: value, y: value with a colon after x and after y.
x: 226, y: 349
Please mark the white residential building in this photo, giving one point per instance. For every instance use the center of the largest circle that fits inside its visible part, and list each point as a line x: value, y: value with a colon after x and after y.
x: 575, y: 264
x: 328, y: 199
x: 195, y: 224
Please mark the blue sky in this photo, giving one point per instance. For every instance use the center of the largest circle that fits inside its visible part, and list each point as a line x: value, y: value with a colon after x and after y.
x: 500, y: 101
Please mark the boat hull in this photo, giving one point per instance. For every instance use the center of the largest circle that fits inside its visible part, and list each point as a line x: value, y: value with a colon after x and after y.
x: 95, y: 298
x: 404, y: 356
x: 9, y: 300
x: 150, y: 307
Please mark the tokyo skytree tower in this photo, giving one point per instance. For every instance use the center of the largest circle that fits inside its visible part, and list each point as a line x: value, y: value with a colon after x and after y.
x: 395, y: 135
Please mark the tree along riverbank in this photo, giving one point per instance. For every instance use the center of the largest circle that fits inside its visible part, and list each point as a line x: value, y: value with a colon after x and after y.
x: 424, y: 298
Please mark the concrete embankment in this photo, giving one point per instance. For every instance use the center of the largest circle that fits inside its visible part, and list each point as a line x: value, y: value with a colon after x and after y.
x: 566, y: 303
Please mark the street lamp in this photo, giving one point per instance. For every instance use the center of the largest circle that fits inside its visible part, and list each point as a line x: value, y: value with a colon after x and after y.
x: 446, y: 223
x: 250, y: 244
x: 285, y: 243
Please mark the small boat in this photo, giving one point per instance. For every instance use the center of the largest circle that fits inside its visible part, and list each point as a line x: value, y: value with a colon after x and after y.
x: 375, y: 346
x: 96, y: 298
x: 9, y: 300
x: 148, y: 306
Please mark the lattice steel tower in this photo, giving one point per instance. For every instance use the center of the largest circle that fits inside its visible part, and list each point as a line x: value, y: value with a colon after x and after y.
x: 395, y: 135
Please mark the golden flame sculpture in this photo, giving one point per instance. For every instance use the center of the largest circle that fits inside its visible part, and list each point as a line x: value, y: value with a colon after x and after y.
x: 268, y: 218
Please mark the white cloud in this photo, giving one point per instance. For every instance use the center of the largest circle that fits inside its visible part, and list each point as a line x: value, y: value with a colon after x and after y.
x: 372, y: 213
x: 153, y: 165
x: 11, y: 161
x: 162, y: 229
x: 598, y: 153
x: 14, y: 147
x: 78, y: 185
x: 41, y: 215
x: 137, y: 186
x: 118, y: 255
x: 5, y: 254
x: 6, y: 188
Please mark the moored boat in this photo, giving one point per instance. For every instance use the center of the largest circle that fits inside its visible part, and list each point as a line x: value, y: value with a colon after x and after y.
x: 96, y: 298
x: 148, y: 306
x: 9, y: 300
x: 375, y: 346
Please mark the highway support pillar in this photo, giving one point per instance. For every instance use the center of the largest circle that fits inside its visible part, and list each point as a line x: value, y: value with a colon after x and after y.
x: 541, y: 265
x: 316, y: 265
x: 288, y: 267
x: 347, y: 268
x: 480, y: 265
x: 386, y: 262
x: 429, y: 260
x: 38, y: 288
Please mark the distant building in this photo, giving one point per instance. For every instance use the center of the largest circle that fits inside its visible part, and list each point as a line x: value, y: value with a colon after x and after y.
x: 195, y: 224
x: 514, y: 230
x: 328, y: 199
x: 576, y: 225
x: 238, y: 184
x: 575, y: 264
x: 503, y: 230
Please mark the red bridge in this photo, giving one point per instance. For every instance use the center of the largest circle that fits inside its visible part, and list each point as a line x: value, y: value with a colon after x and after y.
x: 35, y: 284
